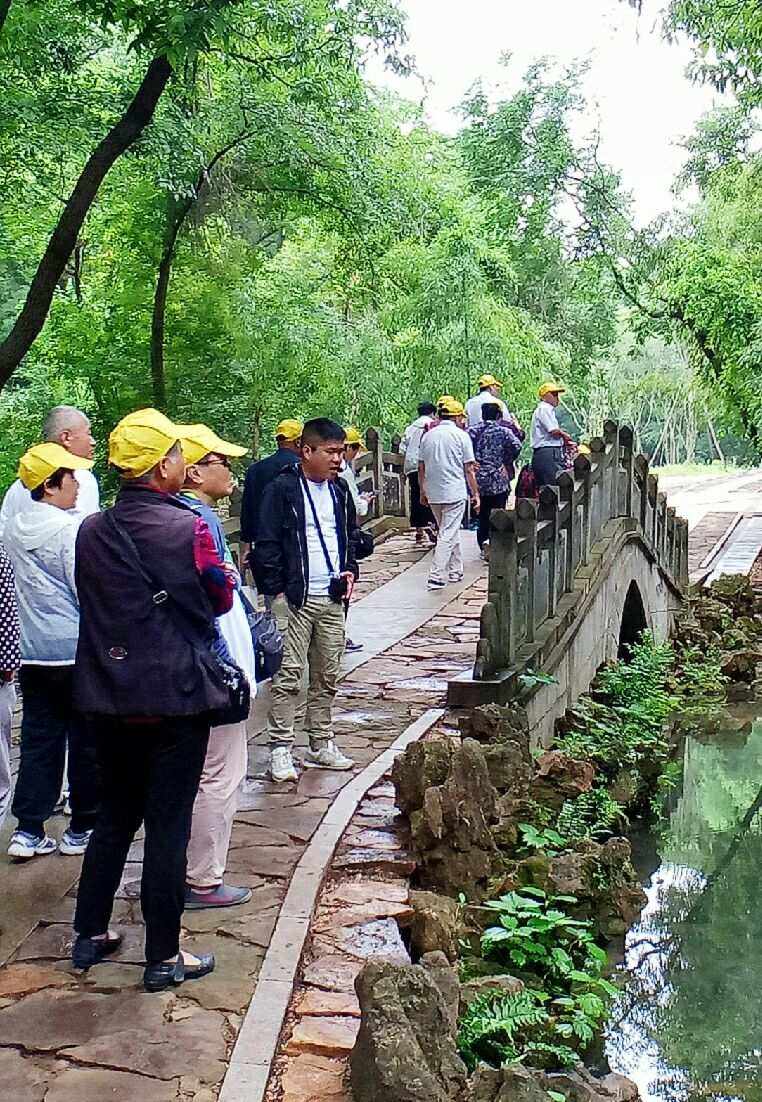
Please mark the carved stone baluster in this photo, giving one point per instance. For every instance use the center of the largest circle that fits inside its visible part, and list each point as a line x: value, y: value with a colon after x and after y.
x: 566, y: 494
x: 627, y: 471
x: 641, y: 472
x: 582, y: 473
x: 611, y: 436
x: 548, y: 511
x: 526, y: 530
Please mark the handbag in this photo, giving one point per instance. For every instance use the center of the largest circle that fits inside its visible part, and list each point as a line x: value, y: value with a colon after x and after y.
x: 363, y: 543
x: 267, y: 640
x: 231, y: 675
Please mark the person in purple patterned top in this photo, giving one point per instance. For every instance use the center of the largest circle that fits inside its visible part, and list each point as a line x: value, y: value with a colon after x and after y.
x: 10, y: 660
x: 496, y: 447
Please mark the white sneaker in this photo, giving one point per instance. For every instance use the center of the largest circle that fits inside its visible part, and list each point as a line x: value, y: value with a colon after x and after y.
x: 328, y: 756
x: 71, y: 844
x: 456, y: 577
x: 434, y: 583
x: 23, y: 846
x: 282, y: 766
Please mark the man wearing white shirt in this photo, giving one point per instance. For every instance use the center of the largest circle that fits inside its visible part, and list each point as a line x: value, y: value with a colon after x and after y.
x: 70, y: 428
x: 489, y: 391
x: 547, y: 437
x: 446, y: 470
x: 304, y: 560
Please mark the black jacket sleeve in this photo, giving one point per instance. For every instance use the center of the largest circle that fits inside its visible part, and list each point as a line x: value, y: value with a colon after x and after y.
x: 250, y: 504
x: 269, y: 559
x: 351, y: 528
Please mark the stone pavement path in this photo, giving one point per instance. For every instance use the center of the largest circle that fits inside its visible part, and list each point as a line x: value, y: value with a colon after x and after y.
x: 71, y: 1038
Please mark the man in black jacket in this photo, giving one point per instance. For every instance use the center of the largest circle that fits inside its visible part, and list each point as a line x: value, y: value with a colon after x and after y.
x: 260, y: 475
x: 305, y: 563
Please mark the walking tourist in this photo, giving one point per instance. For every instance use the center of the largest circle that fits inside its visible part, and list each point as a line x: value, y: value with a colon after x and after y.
x: 10, y: 660
x: 40, y: 543
x: 446, y: 470
x: 421, y: 516
x: 489, y: 391
x: 547, y: 438
x: 150, y: 584
x: 354, y: 444
x: 208, y: 479
x: 305, y: 564
x: 260, y: 475
x: 70, y: 428
x: 496, y: 448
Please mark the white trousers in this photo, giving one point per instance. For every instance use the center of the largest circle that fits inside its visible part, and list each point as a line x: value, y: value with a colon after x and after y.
x: 448, y: 557
x: 7, y: 702
x: 216, y: 805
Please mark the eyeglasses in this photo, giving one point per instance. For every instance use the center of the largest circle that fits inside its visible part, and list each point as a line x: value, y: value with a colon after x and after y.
x: 214, y: 463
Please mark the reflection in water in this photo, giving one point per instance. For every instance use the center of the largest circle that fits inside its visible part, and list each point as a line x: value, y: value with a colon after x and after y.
x: 688, y: 1024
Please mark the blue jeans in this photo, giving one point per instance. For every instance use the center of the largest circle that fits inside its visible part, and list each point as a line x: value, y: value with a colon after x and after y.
x: 48, y: 726
x: 547, y: 464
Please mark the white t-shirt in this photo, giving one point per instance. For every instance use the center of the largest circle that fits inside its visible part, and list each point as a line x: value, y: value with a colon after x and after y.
x: 18, y: 499
x: 410, y: 444
x: 322, y: 497
x: 445, y: 450
x: 474, y: 407
x: 544, y: 421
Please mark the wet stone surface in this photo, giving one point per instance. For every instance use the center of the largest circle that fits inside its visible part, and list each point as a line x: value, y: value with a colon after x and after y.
x: 69, y: 1037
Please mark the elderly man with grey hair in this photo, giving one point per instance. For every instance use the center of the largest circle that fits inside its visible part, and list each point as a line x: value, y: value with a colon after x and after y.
x: 70, y: 428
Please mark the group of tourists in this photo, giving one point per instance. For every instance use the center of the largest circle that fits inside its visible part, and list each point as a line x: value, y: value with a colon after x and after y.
x: 131, y: 635
x: 470, y: 460
x: 132, y: 639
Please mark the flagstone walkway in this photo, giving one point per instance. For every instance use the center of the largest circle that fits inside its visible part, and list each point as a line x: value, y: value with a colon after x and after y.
x: 71, y: 1038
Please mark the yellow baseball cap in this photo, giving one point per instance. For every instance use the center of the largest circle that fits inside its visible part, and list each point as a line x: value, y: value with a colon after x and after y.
x: 551, y: 388
x: 199, y: 440
x: 353, y: 436
x: 43, y: 460
x: 140, y: 440
x: 451, y: 406
x: 489, y: 380
x: 290, y: 429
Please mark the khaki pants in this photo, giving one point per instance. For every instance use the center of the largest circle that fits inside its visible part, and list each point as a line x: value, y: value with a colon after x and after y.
x: 314, y: 644
x: 216, y: 804
x: 448, y: 557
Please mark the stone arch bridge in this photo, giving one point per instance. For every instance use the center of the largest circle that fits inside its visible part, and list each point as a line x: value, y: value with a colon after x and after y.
x: 573, y: 578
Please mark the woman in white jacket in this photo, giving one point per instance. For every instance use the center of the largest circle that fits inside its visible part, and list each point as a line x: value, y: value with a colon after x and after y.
x: 40, y: 544
x: 421, y: 516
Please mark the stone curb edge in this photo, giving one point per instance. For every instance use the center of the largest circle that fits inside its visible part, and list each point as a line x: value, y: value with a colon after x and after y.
x: 255, y: 1047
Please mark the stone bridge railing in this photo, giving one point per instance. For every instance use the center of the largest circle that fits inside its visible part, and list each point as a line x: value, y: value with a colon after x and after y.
x: 542, y: 549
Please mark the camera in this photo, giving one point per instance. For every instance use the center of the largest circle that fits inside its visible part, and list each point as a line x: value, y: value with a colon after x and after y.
x: 338, y: 589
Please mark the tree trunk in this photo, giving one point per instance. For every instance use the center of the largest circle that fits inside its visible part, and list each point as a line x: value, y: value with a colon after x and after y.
x: 176, y: 215
x: 5, y: 7
x: 64, y: 237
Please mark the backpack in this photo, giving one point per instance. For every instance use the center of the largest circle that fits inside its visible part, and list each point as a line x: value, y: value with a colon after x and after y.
x: 526, y: 484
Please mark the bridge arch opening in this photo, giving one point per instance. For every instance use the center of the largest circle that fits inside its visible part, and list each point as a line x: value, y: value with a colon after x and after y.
x: 634, y: 621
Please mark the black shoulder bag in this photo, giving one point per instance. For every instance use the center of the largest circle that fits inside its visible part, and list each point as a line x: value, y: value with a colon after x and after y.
x: 232, y: 676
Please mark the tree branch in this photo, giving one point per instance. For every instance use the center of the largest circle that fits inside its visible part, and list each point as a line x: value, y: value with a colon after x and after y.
x: 64, y: 237
x: 5, y: 7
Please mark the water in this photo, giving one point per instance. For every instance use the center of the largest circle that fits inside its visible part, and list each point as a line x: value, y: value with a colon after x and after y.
x: 688, y: 1024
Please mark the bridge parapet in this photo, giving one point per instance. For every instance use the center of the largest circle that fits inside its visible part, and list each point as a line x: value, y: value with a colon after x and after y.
x: 545, y: 555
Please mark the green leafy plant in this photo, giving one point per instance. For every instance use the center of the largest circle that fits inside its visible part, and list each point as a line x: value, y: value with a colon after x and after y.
x: 592, y: 814
x: 545, y: 839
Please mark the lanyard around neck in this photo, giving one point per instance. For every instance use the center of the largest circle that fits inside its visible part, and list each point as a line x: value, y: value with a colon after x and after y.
x: 305, y: 483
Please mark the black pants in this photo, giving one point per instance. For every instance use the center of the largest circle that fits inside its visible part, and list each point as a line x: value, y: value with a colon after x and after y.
x: 48, y: 726
x: 488, y: 502
x: 421, y: 516
x: 547, y: 464
x: 151, y: 774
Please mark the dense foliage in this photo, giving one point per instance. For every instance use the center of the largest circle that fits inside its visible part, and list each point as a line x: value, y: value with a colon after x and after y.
x: 275, y: 236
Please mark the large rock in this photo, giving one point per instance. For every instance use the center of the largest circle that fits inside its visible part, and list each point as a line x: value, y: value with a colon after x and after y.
x: 423, y: 765
x: 559, y: 777
x: 580, y: 1085
x: 446, y: 979
x: 437, y: 924
x: 405, y: 1050
x: 451, y: 834
x: 508, y: 768
x: 513, y: 1083
x: 493, y: 723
